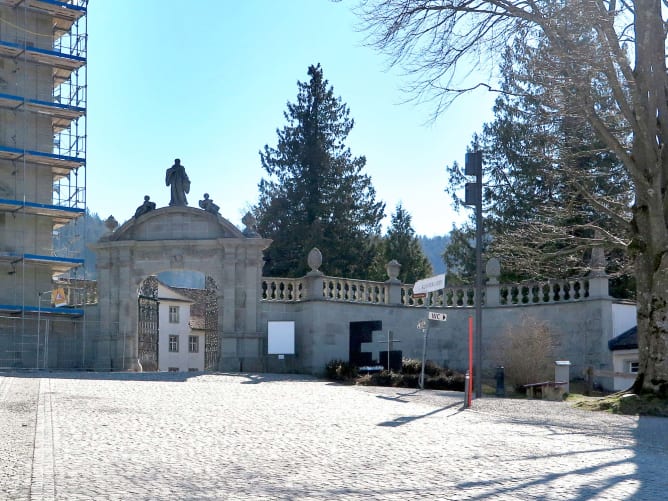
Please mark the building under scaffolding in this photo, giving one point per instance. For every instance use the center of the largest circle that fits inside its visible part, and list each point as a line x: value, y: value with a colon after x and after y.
x: 42, y: 180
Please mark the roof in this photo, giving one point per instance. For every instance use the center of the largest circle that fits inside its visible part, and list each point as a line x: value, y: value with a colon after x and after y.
x: 627, y: 340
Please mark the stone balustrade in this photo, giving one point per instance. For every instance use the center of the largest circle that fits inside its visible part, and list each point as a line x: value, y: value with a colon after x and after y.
x: 317, y: 286
x: 357, y: 291
x: 327, y: 288
x: 283, y: 289
x: 370, y: 292
x: 447, y: 297
x: 543, y: 292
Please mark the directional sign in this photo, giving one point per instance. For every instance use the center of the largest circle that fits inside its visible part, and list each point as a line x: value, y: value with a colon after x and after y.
x: 441, y: 317
x: 431, y: 284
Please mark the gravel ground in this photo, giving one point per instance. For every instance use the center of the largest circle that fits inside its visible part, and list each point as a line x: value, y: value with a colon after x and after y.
x: 172, y: 436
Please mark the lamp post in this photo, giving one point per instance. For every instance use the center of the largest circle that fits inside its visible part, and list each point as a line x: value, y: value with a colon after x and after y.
x: 473, y: 194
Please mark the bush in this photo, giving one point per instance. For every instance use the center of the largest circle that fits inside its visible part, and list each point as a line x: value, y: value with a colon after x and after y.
x: 436, y: 378
x: 340, y: 370
x: 414, y: 366
x: 526, y: 351
x: 454, y: 382
x: 410, y: 366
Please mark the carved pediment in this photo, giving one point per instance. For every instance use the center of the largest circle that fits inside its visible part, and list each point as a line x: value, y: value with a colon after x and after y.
x: 176, y: 223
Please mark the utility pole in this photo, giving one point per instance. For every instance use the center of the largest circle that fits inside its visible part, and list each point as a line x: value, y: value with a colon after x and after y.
x: 473, y: 196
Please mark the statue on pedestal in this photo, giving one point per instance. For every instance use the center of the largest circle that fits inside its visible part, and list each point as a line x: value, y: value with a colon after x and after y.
x: 177, y: 178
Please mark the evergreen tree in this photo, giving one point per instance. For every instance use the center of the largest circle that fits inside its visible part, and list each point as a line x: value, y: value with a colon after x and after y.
x: 316, y: 194
x: 401, y: 243
x: 540, y: 158
x: 605, y: 69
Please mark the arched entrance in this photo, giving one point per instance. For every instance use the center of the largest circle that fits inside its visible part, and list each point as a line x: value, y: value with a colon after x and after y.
x: 172, y: 239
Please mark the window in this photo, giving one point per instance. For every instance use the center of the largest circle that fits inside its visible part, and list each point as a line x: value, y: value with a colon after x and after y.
x: 193, y: 369
x: 173, y: 314
x: 173, y: 369
x: 193, y: 344
x: 632, y: 366
x: 174, y: 343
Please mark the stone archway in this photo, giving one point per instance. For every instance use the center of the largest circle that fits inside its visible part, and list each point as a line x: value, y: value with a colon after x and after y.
x: 176, y: 238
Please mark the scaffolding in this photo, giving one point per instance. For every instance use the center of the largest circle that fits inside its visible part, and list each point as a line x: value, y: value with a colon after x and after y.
x: 43, y: 94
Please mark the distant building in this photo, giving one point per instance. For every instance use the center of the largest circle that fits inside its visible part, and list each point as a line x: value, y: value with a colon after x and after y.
x: 624, y: 358
x: 181, y: 335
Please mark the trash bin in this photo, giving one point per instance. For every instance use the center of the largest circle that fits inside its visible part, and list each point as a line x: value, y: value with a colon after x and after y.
x: 500, y: 384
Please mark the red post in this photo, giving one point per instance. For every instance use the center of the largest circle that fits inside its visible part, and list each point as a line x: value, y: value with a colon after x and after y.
x: 470, y: 388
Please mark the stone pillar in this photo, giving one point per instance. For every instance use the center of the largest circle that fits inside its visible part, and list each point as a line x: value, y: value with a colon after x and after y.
x: 313, y: 279
x: 492, y: 288
x: 393, y: 283
x: 598, y: 280
x: 598, y: 286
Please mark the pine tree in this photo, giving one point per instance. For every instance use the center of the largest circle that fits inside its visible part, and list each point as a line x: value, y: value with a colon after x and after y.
x: 316, y: 194
x: 538, y: 163
x: 402, y: 244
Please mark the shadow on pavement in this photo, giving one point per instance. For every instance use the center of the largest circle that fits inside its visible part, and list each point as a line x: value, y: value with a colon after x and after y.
x: 408, y: 419
x: 173, y: 377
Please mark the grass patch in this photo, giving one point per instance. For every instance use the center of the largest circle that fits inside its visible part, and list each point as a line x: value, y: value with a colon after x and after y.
x: 622, y: 403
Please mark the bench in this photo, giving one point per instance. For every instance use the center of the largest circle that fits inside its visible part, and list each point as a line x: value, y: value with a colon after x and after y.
x: 370, y: 368
x: 547, y: 390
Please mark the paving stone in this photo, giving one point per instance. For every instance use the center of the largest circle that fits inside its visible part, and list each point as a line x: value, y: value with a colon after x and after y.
x: 233, y: 436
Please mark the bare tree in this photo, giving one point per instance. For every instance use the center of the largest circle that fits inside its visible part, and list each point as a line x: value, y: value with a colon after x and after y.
x: 616, y: 44
x: 526, y: 352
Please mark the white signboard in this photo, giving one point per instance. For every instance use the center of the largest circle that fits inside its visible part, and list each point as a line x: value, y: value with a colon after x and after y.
x: 441, y: 317
x: 431, y: 284
x: 281, y: 338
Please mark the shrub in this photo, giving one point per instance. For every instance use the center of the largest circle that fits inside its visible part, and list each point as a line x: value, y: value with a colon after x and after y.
x: 454, y: 382
x: 340, y: 370
x: 526, y: 351
x: 411, y: 366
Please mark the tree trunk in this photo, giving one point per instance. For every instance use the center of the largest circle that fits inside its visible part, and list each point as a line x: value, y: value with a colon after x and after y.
x: 650, y: 175
x: 652, y: 294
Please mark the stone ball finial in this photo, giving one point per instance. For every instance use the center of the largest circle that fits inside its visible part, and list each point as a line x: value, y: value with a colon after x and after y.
x: 493, y: 270
x: 393, y: 268
x: 314, y: 261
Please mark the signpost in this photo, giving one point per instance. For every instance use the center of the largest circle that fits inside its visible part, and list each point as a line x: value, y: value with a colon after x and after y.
x: 441, y: 317
x: 420, y: 289
x: 431, y: 284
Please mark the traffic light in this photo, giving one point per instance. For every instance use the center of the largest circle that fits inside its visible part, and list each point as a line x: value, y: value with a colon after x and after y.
x: 471, y: 194
x: 473, y: 163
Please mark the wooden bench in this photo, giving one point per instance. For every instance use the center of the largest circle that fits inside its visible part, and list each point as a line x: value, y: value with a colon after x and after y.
x: 547, y: 390
x: 370, y: 368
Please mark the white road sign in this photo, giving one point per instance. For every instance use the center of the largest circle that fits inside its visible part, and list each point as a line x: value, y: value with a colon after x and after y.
x: 430, y: 284
x: 441, y: 317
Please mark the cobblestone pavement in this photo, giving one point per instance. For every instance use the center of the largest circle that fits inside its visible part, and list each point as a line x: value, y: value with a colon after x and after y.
x: 169, y: 436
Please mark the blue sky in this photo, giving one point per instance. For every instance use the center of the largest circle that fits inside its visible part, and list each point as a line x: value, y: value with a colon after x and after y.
x: 208, y: 81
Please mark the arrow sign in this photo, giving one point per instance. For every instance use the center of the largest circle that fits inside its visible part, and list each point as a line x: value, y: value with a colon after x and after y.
x: 431, y: 284
x: 441, y: 317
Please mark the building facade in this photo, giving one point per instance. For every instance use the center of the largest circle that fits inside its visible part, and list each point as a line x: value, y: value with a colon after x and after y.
x: 180, y: 346
x: 42, y: 168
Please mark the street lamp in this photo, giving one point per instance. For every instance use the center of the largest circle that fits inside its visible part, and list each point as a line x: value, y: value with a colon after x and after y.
x: 473, y: 194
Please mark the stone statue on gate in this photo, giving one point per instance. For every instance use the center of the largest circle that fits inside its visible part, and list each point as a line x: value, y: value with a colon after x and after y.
x: 177, y: 178
x: 208, y: 205
x: 147, y: 206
